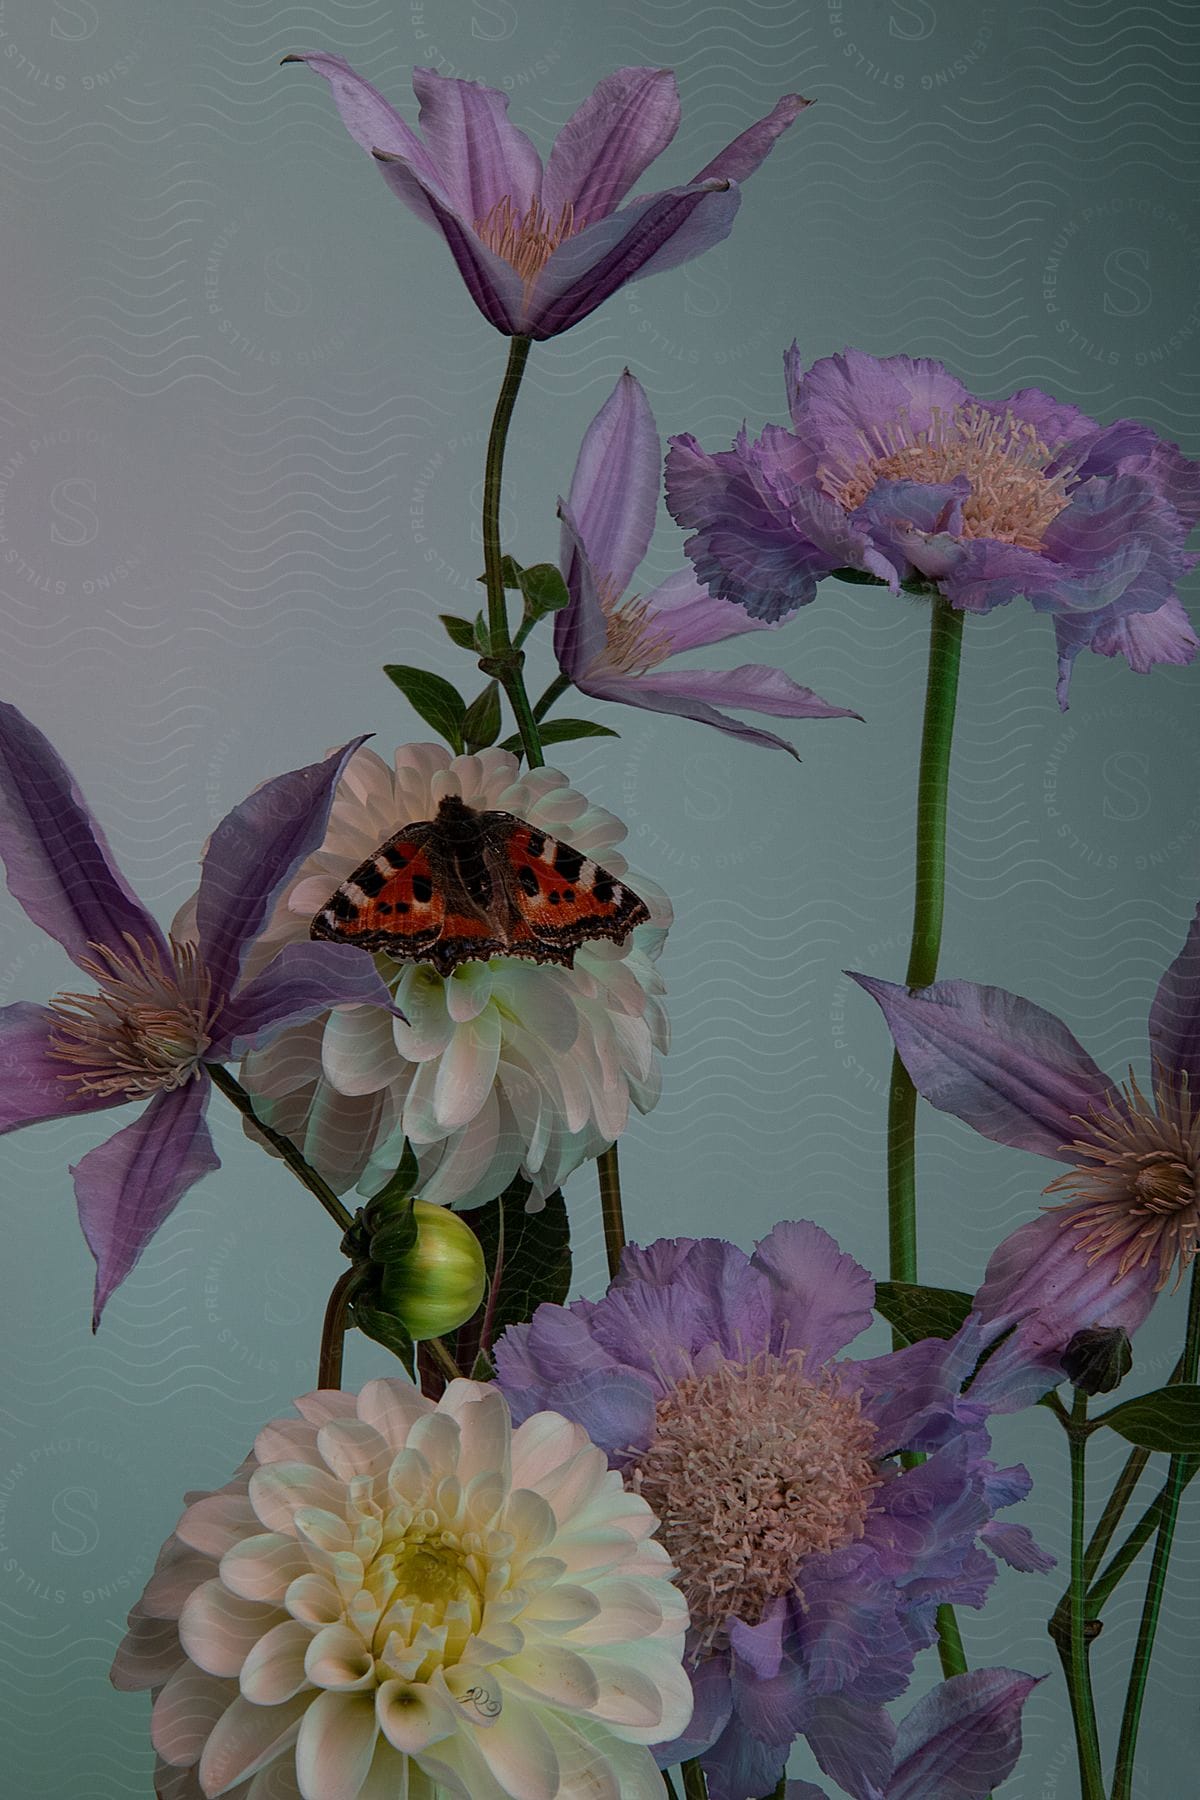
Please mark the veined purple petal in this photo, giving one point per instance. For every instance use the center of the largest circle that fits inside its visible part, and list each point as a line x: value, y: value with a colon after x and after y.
x: 804, y: 1790
x: 60, y: 867
x: 820, y: 1297
x: 769, y: 1693
x: 918, y: 525
x: 739, y: 1764
x: 682, y: 611
x: 372, y: 121
x: 1018, y: 1547
x: 614, y: 490
x: 963, y: 1739
x: 580, y: 629
x: 251, y: 854
x: 1175, y: 1013
x: 738, y: 160
x: 713, y: 1697
x: 126, y: 1187
x: 34, y: 1085
x: 682, y: 691
x: 1003, y: 1065
x: 1055, y: 421
x: 844, y: 399
x: 1127, y: 448
x: 852, y: 1742
x: 608, y: 143
x: 493, y: 284
x: 756, y: 686
x: 1119, y: 544
x: 1146, y: 639
x: 302, y: 981
x: 479, y: 155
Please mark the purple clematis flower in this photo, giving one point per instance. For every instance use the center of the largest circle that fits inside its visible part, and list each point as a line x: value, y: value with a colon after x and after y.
x: 811, y: 1560
x: 1015, y: 1073
x: 894, y: 470
x: 612, y: 647
x: 163, y: 1009
x: 539, y: 249
x: 958, y: 1743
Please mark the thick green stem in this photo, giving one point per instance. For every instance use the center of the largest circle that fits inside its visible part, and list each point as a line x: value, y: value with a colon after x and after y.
x: 505, y: 661
x: 694, y: 1785
x: 950, y: 1645
x: 1124, y: 1559
x: 1178, y: 1474
x: 442, y: 1358
x: 929, y: 899
x: 1074, y: 1651
x: 609, y: 1171
x: 669, y: 1785
x: 302, y: 1170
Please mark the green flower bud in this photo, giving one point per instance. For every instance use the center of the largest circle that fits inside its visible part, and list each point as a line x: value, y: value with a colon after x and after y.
x: 436, y: 1285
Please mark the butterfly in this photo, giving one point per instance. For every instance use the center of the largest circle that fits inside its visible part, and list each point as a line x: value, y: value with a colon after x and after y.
x: 468, y: 885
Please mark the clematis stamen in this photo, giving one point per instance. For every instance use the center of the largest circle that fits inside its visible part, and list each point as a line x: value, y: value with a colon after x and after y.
x: 633, y: 645
x: 527, y: 241
x: 146, y: 1030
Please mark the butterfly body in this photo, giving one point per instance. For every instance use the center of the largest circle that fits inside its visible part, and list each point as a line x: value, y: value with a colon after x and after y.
x: 468, y: 885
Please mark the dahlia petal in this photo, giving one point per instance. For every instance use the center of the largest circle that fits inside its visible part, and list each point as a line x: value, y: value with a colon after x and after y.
x: 246, y: 1739
x: 216, y: 1522
x: 485, y: 1426
x: 274, y: 1670
x: 176, y: 1573
x: 335, y: 1746
x: 600, y: 1766
x: 351, y: 1447
x: 556, y: 1675
x: 356, y: 1047
x: 520, y: 1754
x: 543, y: 1448
x: 392, y: 1407
x: 412, y: 1715
x: 219, y: 1629
x: 35, y: 1086
x: 468, y: 991
x: 1003, y: 1065
x: 1175, y: 1012
x: 185, y: 1712
x: 127, y: 1187
x: 148, y: 1654
x: 251, y: 854
x: 280, y: 1490
x: 60, y: 868
x: 820, y: 1297
x: 739, y: 159
x: 323, y: 1405
x: 963, y: 1739
x: 263, y: 1567
x: 608, y: 143
x: 467, y: 1071
x: 303, y: 981
x: 614, y: 490
x: 852, y: 1742
x: 338, y: 1660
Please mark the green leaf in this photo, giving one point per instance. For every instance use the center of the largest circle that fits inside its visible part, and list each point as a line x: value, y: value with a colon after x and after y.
x: 921, y: 1312
x: 385, y: 1330
x: 439, y: 703
x: 560, y: 731
x: 481, y: 726
x: 1167, y: 1419
x: 544, y: 589
x: 536, y: 1258
x: 459, y: 631
x: 483, y: 635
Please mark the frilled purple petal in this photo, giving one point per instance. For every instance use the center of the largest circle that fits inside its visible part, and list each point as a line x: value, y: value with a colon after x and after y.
x: 615, y: 1408
x: 1055, y: 421
x: 1119, y: 544
x: 912, y: 1395
x: 853, y: 1743
x: 480, y: 157
x: 1040, y: 1277
x: 1175, y: 1013
x: 125, y: 1188
x: 843, y: 399
x: 850, y: 1622
x: 963, y: 1739
x: 820, y: 1297
x: 738, y: 160
x: 493, y: 284
x: 917, y: 525
x: 35, y: 1086
x: 302, y: 981
x: 614, y: 490
x: 59, y: 865
x: 251, y: 854
x: 1003, y: 1065
x: 739, y: 1765
x: 1017, y: 1546
x: 688, y: 694
x: 656, y: 1264
x: 713, y: 1698
x: 1127, y: 448
x: 609, y: 142
x: 1146, y: 639
x: 769, y: 1685
x: 556, y: 1342
x: 683, y: 612
x: 925, y: 1520
x: 716, y: 1299
x: 762, y: 538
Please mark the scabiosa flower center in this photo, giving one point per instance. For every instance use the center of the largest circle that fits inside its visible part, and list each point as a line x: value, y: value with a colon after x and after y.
x: 527, y: 241
x: 1018, y: 485
x: 145, y: 1031
x: 753, y: 1468
x: 632, y: 643
x: 1137, y: 1194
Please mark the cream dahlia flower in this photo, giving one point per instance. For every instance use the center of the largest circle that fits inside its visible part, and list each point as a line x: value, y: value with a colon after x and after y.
x: 503, y: 1067
x: 394, y: 1599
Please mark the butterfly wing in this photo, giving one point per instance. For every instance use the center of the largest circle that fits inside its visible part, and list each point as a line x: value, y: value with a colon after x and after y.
x: 558, y: 898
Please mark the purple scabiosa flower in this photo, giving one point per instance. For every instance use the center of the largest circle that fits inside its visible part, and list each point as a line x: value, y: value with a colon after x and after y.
x: 162, y: 1009
x: 894, y: 470
x: 811, y: 1561
x: 1131, y: 1215
x: 539, y: 249
x: 612, y: 647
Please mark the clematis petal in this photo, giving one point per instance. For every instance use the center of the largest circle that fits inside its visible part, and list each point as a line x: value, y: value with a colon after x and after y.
x: 371, y: 120
x: 580, y: 629
x: 739, y: 159
x: 683, y: 612
x: 480, y: 157
x: 34, y: 1085
x: 126, y: 1187
x: 852, y: 1742
x: 303, y: 981
x: 1003, y: 1065
x: 251, y: 854
x: 608, y: 143
x: 963, y: 1739
x: 59, y: 865
x: 1175, y: 1013
x: 493, y: 284
x: 755, y: 686
x: 614, y: 490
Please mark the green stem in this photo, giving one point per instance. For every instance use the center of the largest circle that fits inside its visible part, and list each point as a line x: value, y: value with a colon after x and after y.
x: 1114, y: 1511
x: 1134, y: 1544
x: 302, y: 1170
x: 555, y: 691
x: 609, y: 1171
x: 929, y: 898
x: 504, y: 660
x: 1178, y: 1474
x: 670, y: 1786
x: 333, y: 1331
x: 950, y: 1645
x: 694, y: 1785
x: 443, y: 1358
x: 1075, y: 1652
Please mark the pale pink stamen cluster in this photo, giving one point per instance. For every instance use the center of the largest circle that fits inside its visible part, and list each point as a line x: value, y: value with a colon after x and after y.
x: 145, y: 1031
x: 1137, y: 1196
x: 633, y: 644
x: 1017, y: 484
x: 753, y: 1468
x: 525, y: 240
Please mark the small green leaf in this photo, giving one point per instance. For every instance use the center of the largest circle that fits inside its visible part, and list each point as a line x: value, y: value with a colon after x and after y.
x: 380, y: 1325
x: 439, y: 703
x: 921, y: 1312
x: 459, y: 631
x: 481, y: 726
x: 1167, y: 1419
x: 536, y: 1262
x: 560, y: 731
x: 510, y: 572
x: 544, y: 589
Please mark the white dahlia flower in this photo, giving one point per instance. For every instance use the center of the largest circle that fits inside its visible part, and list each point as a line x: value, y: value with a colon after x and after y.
x: 394, y: 1599
x: 505, y: 1067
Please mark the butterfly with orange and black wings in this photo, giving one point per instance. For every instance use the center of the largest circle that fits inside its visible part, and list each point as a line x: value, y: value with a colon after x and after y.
x: 468, y: 885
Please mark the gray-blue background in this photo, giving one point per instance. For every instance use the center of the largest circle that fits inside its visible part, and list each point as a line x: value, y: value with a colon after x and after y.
x: 243, y: 399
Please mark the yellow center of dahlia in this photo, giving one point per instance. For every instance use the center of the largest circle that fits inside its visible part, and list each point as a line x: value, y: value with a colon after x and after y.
x: 147, y: 1028
x: 525, y: 240
x: 753, y: 1468
x: 1016, y: 489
